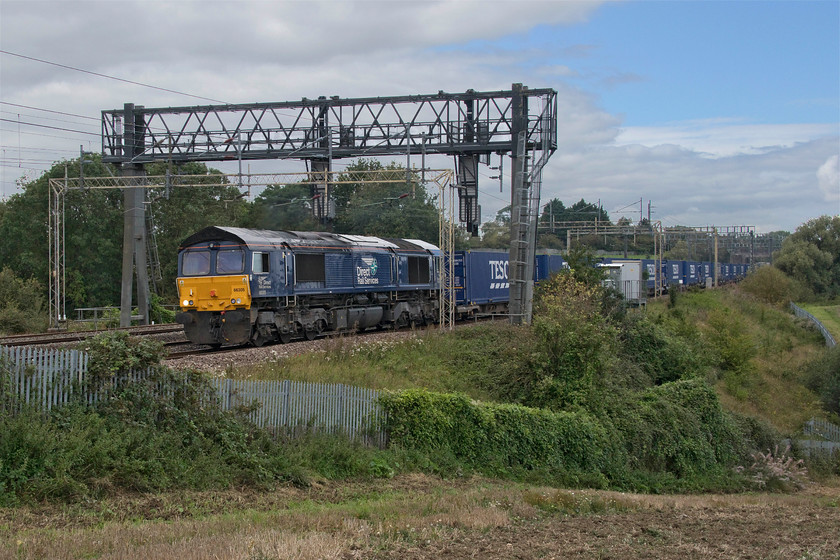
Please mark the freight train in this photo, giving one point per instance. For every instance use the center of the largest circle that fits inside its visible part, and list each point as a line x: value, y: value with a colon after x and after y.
x: 240, y: 285
x: 636, y: 278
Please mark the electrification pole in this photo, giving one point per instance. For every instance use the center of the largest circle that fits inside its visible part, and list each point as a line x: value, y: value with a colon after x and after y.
x: 134, y: 223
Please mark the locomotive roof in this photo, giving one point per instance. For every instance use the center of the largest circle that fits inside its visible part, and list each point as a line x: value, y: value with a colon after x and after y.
x: 261, y: 238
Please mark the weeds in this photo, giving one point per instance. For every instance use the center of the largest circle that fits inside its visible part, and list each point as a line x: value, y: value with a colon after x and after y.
x: 776, y: 471
x: 571, y: 503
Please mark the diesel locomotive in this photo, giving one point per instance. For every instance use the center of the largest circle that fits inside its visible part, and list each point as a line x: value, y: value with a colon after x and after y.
x: 238, y: 285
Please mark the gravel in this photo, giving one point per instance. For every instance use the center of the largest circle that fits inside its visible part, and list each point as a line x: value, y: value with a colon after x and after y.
x: 224, y: 360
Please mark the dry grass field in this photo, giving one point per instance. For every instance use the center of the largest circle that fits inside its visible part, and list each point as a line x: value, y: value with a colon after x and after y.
x: 421, y: 517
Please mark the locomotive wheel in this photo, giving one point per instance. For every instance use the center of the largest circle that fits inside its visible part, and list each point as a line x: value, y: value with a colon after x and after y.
x: 284, y: 337
x: 310, y: 334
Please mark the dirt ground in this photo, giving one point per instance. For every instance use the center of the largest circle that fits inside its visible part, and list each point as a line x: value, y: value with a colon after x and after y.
x: 727, y: 531
x: 421, y: 517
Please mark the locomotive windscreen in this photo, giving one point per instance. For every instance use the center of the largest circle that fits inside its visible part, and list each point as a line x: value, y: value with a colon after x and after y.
x: 230, y: 261
x: 195, y: 263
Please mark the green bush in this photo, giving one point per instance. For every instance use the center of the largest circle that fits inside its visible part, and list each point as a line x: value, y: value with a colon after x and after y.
x: 113, y: 352
x: 158, y: 313
x: 823, y: 377
x: 678, y: 428
x: 769, y: 285
x: 23, y: 307
x: 732, y: 345
x: 662, y: 356
x: 161, y: 434
x: 575, y: 345
x: 501, y: 438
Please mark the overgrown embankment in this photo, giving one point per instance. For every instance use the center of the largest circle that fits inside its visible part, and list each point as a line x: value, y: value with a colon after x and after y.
x: 668, y: 400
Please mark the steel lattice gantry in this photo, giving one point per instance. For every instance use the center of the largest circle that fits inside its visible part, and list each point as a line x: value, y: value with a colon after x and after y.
x: 468, y: 126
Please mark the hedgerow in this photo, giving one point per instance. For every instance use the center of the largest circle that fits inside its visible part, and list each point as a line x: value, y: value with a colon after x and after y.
x: 501, y: 438
x: 679, y: 428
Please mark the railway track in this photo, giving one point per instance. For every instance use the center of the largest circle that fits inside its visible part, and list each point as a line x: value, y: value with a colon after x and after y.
x: 186, y: 349
x: 66, y: 337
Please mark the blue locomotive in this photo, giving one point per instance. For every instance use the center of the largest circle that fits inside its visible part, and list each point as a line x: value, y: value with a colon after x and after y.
x: 238, y: 285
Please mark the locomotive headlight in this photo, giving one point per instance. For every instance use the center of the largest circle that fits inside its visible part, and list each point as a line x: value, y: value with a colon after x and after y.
x: 191, y: 302
x: 238, y: 300
x: 233, y: 300
x: 186, y: 302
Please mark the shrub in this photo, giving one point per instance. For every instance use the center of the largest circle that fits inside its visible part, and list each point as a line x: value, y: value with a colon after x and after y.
x: 823, y: 377
x: 769, y: 285
x: 115, y: 352
x: 678, y: 428
x: 575, y: 343
x: 728, y: 337
x: 661, y: 356
x: 500, y: 438
x: 22, y: 304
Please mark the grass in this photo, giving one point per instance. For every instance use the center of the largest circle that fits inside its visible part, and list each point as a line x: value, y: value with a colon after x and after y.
x: 296, y: 524
x: 770, y: 386
x: 472, y: 358
x: 828, y: 315
x: 364, y: 520
x: 458, y: 361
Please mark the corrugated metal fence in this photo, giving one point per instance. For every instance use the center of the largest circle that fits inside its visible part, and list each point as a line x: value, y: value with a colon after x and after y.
x: 799, y: 312
x: 822, y: 428
x: 48, y: 378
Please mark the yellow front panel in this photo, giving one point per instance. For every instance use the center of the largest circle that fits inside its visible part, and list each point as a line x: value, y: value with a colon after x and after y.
x: 214, y: 293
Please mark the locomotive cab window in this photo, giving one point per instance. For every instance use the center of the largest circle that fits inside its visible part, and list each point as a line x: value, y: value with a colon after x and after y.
x: 195, y: 263
x: 310, y: 268
x: 230, y: 261
x: 418, y: 270
x: 260, y: 263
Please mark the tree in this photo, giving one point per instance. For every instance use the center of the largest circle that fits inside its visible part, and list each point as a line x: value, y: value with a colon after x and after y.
x: 283, y: 208
x: 23, y: 307
x: 495, y: 234
x: 555, y: 212
x: 383, y: 203
x: 92, y: 230
x: 93, y: 226
x: 811, y: 255
x: 583, y: 266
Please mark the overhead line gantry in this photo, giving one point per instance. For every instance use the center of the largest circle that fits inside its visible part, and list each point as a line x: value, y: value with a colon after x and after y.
x: 469, y: 126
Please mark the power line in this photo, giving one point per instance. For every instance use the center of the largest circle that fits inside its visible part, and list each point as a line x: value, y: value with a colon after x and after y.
x: 22, y: 149
x: 49, y: 111
x: 111, y: 77
x: 53, y: 119
x: 35, y: 134
x: 51, y: 127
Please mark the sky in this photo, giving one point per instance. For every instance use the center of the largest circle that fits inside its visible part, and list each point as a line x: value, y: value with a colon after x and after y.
x: 717, y: 113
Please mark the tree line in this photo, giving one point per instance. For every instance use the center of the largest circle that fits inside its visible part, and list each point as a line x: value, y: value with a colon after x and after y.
x: 384, y: 203
x: 381, y: 204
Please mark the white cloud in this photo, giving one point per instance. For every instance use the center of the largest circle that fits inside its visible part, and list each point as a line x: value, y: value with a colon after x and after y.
x: 722, y: 172
x: 828, y: 177
x: 723, y: 137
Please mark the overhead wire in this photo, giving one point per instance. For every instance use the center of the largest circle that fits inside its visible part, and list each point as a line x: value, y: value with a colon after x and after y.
x: 132, y: 82
x: 50, y: 127
x: 52, y: 119
x: 49, y: 111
